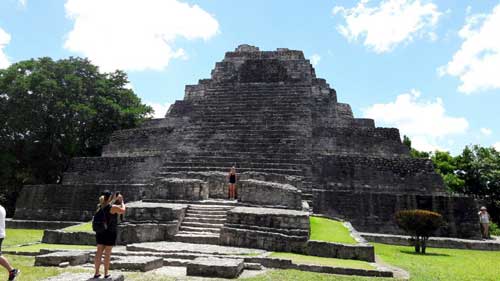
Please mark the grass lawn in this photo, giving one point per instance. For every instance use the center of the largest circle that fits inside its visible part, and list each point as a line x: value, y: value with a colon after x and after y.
x: 297, y: 258
x: 29, y: 272
x: 296, y: 275
x: 443, y: 264
x: 83, y: 227
x: 35, y: 248
x: 16, y: 237
x: 330, y: 230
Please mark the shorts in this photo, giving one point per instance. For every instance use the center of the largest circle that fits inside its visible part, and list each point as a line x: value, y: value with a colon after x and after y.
x: 106, y: 238
x: 1, y: 240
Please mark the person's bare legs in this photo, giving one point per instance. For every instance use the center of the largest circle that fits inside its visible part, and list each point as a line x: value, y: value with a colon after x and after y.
x: 107, y: 259
x: 5, y: 263
x: 98, y: 258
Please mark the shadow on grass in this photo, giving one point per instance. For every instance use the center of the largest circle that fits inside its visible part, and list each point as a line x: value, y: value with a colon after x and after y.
x: 423, y: 255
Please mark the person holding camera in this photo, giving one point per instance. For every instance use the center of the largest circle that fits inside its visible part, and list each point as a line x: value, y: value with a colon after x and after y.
x: 13, y: 273
x: 484, y: 220
x: 105, y: 224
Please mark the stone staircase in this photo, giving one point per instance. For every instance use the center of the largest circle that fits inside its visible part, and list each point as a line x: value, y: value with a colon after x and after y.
x: 202, y: 224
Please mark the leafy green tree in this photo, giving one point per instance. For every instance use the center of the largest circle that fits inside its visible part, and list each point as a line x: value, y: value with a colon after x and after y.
x: 51, y: 111
x: 413, y: 152
x: 446, y: 165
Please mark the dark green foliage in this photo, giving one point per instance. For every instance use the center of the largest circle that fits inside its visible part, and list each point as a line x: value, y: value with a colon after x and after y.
x: 420, y: 225
x: 51, y: 111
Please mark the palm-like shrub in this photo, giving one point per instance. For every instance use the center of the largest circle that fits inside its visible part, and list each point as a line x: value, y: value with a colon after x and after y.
x: 420, y: 225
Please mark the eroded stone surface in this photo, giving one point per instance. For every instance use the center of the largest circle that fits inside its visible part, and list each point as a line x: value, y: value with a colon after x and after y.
x: 191, y: 248
x: 137, y: 263
x: 215, y: 267
x: 55, y: 259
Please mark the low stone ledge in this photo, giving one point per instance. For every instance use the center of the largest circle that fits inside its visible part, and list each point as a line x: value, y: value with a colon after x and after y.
x: 291, y: 232
x: 83, y: 277
x: 68, y: 238
x: 38, y: 224
x: 56, y: 258
x: 146, y: 232
x: 364, y: 252
x: 342, y: 270
x: 434, y: 242
x: 136, y: 263
x: 269, y: 217
x: 215, y: 267
x: 140, y: 212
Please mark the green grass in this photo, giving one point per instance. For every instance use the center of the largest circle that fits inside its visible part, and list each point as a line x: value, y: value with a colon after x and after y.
x: 16, y: 237
x: 443, y: 264
x: 295, y: 275
x: 83, y: 227
x: 35, y: 248
x: 29, y: 272
x: 297, y: 258
x: 323, y: 229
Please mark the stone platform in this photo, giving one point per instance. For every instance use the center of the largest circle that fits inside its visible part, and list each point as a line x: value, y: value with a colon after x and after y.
x: 215, y: 267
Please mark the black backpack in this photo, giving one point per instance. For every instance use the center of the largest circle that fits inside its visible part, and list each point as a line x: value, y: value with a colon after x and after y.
x: 100, y: 220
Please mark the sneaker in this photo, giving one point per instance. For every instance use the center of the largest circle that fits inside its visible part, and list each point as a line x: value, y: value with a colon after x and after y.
x: 107, y: 276
x: 13, y: 274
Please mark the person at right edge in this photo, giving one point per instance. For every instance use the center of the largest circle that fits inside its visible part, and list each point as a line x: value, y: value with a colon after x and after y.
x: 110, y: 206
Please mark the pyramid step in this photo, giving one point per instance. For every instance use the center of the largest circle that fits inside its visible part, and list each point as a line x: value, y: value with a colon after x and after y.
x: 176, y: 262
x: 204, y: 220
x: 196, y: 238
x: 204, y: 215
x: 199, y: 229
x: 206, y: 212
x: 201, y: 224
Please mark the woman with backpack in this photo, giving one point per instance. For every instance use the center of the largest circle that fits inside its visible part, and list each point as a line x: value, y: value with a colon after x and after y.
x: 105, y: 224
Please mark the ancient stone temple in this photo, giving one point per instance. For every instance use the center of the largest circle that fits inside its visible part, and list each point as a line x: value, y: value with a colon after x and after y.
x: 292, y: 143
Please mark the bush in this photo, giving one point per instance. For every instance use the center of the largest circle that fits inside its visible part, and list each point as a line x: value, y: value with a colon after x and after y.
x: 494, y: 229
x: 420, y: 225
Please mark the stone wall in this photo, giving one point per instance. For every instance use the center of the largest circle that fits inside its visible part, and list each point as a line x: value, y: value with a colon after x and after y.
x: 111, y: 169
x: 358, y: 141
x: 364, y: 252
x: 375, y: 174
x: 264, y: 228
x: 178, y: 189
x: 69, y: 202
x: 374, y: 212
x: 269, y: 194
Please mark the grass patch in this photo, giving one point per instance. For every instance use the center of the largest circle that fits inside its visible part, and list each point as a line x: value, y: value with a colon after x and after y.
x: 16, y: 237
x: 35, y: 248
x: 328, y: 230
x: 443, y: 264
x: 29, y: 272
x: 83, y: 227
x: 297, y: 258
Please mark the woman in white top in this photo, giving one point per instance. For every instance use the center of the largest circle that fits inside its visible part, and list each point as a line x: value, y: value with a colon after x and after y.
x: 13, y: 273
x: 484, y: 220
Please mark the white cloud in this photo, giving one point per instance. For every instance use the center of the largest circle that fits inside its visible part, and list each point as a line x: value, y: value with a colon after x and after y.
x: 135, y: 34
x: 425, y: 122
x: 497, y: 145
x: 486, y: 131
x: 4, y: 40
x: 160, y: 109
x: 477, y: 62
x: 389, y: 24
x: 22, y: 2
x: 315, y: 58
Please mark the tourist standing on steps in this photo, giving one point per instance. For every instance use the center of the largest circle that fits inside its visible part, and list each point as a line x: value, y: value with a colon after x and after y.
x: 484, y: 220
x: 232, y: 183
x: 105, y: 224
x: 13, y: 273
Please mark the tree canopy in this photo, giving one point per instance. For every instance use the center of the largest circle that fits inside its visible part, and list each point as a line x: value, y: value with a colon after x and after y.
x: 51, y: 111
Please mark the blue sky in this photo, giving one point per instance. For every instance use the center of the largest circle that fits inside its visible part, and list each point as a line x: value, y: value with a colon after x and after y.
x: 430, y: 68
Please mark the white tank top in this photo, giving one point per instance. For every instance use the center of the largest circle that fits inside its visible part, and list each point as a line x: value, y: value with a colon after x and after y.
x: 484, y: 218
x: 2, y: 222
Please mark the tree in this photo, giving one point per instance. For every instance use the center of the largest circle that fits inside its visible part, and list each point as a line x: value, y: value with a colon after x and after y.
x: 51, y: 111
x: 413, y: 152
x: 420, y: 225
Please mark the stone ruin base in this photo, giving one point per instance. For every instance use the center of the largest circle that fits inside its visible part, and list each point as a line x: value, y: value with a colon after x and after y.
x: 83, y: 277
x: 215, y: 267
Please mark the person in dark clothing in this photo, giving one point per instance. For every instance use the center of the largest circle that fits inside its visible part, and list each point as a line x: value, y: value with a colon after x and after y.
x: 112, y: 206
x: 232, y: 183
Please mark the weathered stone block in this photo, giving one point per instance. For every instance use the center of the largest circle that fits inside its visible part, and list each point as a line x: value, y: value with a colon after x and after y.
x: 137, y: 263
x: 83, y: 277
x: 363, y: 252
x: 215, y: 267
x: 269, y: 194
x: 55, y: 259
x: 180, y: 189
